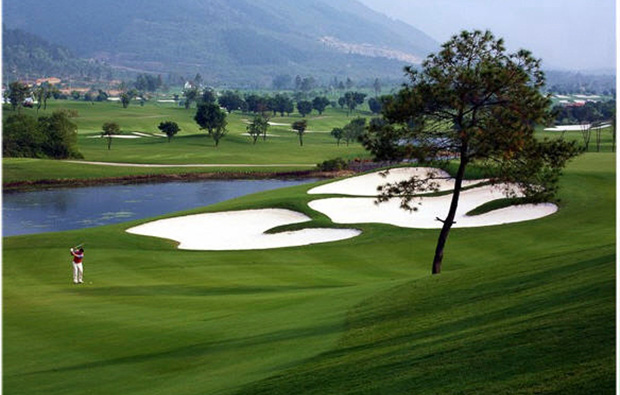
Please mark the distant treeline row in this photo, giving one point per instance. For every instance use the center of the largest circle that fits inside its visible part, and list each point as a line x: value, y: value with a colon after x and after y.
x: 587, y: 113
x: 279, y: 103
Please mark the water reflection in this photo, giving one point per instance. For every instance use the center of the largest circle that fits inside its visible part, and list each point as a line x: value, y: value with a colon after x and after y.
x: 76, y: 208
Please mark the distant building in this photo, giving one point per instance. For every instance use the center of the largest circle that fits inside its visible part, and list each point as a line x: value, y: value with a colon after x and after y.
x: 51, y: 81
x: 68, y: 91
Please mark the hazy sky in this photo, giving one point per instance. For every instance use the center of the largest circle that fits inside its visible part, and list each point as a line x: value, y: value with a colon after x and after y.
x: 566, y: 34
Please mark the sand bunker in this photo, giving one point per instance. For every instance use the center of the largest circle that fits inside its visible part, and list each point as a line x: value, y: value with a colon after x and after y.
x: 115, y: 136
x: 569, y: 128
x: 364, y: 210
x: 239, y: 230
x: 245, y: 230
x: 149, y: 135
x: 366, y: 185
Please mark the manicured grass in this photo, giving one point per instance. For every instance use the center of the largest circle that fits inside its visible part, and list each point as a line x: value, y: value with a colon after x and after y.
x: 26, y: 169
x: 190, y: 146
x: 606, y: 138
x: 520, y: 308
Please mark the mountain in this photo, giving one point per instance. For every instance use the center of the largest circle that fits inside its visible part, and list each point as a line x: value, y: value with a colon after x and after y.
x: 228, y: 40
x: 27, y: 55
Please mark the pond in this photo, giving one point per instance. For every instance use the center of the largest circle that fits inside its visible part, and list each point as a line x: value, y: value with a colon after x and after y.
x: 55, y: 210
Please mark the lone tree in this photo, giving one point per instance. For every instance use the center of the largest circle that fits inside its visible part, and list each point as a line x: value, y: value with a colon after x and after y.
x: 337, y: 133
x: 354, y: 130
x: 258, y: 127
x: 191, y: 95
x: 170, y: 128
x: 42, y: 93
x: 210, y: 117
x: 474, y: 102
x: 304, y: 107
x: 18, y: 92
x: 320, y: 104
x: 352, y: 100
x: 109, y: 130
x: 300, y: 128
x: 126, y: 97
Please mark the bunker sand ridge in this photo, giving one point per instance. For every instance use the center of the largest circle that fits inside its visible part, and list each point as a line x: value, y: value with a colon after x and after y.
x: 245, y: 229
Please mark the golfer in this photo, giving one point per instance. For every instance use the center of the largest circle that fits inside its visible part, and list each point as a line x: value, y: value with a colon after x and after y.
x: 78, y: 270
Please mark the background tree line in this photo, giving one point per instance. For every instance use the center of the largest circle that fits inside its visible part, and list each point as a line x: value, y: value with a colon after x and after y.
x: 49, y: 136
x: 280, y: 103
x: 588, y: 113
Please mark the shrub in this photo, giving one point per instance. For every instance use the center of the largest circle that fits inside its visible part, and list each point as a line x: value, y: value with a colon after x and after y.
x: 336, y: 164
x: 51, y: 136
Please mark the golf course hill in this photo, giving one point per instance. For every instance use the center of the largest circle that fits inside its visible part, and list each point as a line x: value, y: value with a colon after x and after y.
x: 524, y: 307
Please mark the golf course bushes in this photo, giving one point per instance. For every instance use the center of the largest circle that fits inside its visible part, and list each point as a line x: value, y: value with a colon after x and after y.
x: 527, y: 307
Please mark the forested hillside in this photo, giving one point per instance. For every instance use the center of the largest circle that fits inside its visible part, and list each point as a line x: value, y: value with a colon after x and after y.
x: 228, y: 40
x: 26, y: 55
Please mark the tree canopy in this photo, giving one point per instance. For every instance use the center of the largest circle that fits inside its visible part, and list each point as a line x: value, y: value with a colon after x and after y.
x: 320, y: 104
x: 258, y: 127
x: 51, y: 136
x: 170, y: 128
x: 17, y: 93
x: 109, y: 129
x: 304, y: 107
x: 300, y: 128
x: 474, y: 102
x: 209, y: 116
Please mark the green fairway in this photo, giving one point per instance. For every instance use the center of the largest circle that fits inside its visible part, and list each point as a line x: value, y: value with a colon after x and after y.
x: 520, y: 308
x: 190, y: 146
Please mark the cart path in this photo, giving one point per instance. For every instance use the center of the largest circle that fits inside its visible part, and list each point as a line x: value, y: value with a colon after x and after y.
x: 189, y: 165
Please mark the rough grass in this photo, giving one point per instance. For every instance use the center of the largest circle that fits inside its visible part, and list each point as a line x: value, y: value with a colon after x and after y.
x: 520, y: 308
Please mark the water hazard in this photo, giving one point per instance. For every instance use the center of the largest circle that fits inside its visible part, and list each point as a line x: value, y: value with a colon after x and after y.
x: 76, y: 208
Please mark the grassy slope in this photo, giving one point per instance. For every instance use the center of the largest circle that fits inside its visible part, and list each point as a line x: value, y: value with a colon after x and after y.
x: 530, y: 310
x: 190, y: 146
x: 525, y: 307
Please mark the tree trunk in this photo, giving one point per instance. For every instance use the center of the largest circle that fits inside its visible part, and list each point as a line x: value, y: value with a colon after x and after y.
x: 449, y: 221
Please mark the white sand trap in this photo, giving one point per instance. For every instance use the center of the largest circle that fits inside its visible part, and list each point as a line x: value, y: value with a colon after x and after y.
x: 278, y: 124
x: 239, y: 230
x: 569, y: 128
x: 364, y: 210
x: 149, y: 135
x: 366, y: 185
x: 116, y: 136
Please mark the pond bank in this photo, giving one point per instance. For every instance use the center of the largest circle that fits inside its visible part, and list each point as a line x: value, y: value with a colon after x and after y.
x: 25, y: 185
